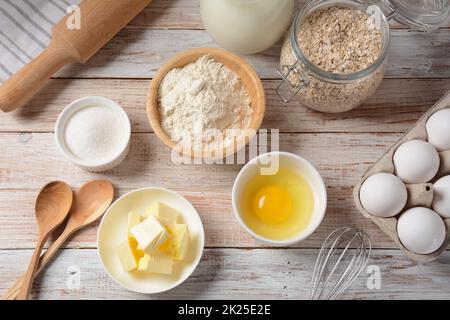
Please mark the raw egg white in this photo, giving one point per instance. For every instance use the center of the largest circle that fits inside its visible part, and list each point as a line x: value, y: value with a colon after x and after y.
x: 421, y: 230
x: 416, y: 161
x: 383, y: 195
x: 441, y: 199
x: 438, y: 130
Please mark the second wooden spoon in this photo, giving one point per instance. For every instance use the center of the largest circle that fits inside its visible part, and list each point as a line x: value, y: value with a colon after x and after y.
x: 91, y: 201
x: 52, y: 206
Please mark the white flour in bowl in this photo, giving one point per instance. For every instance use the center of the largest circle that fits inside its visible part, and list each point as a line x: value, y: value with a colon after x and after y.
x: 201, y: 103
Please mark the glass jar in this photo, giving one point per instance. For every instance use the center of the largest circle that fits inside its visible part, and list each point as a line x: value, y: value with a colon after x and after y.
x: 246, y: 26
x: 339, y: 92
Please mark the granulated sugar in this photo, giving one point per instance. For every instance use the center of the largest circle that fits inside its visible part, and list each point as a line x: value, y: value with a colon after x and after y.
x: 93, y: 134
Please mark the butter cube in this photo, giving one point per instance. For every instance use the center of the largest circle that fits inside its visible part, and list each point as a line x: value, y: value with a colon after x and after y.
x: 143, y: 262
x: 133, y: 220
x: 180, y: 241
x: 137, y: 251
x: 167, y: 245
x: 159, y: 263
x: 165, y: 214
x: 149, y: 234
x: 126, y: 256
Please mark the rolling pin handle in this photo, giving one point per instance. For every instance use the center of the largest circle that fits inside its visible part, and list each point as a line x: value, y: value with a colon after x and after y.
x: 25, y: 83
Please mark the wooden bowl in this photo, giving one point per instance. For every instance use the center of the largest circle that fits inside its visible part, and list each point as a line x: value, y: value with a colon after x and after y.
x: 250, y: 81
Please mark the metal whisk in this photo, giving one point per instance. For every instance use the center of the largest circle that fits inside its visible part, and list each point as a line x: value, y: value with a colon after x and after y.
x: 343, y: 256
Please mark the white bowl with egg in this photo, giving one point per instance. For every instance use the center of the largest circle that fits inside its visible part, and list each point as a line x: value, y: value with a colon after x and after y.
x: 94, y: 133
x: 295, y: 164
x: 113, y: 231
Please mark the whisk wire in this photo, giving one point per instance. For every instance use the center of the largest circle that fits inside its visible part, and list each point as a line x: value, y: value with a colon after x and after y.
x: 355, y: 252
x: 316, y: 279
x: 351, y: 272
x: 356, y: 271
x: 347, y: 270
x: 320, y: 262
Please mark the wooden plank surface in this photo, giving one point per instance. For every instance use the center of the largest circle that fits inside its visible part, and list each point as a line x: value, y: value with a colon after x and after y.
x: 234, y: 274
x: 234, y: 266
x: 18, y: 228
x: 140, y: 52
x: 185, y: 14
x: 396, y: 106
x: 340, y: 158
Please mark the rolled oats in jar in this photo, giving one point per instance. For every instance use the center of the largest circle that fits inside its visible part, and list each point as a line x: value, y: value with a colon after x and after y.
x: 334, y: 56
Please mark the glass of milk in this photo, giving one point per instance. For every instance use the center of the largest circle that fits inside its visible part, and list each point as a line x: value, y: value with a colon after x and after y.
x: 246, y: 26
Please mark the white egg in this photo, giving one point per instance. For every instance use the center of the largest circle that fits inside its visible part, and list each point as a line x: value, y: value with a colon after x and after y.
x: 383, y: 195
x: 441, y: 200
x: 438, y: 129
x: 421, y: 230
x: 416, y: 161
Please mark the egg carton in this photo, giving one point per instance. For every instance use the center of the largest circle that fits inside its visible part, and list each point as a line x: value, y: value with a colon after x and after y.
x: 418, y: 194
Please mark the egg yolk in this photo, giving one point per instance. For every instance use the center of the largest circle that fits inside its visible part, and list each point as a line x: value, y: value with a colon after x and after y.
x: 272, y: 204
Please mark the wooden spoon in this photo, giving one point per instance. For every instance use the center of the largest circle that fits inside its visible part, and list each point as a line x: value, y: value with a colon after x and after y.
x: 90, y: 202
x: 52, y: 206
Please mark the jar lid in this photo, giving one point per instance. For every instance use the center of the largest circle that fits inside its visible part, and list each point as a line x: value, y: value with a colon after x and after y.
x: 418, y: 14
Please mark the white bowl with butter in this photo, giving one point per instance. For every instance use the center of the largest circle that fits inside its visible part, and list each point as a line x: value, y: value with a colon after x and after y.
x: 113, y: 231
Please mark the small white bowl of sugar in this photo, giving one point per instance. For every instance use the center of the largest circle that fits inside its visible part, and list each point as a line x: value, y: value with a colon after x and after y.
x: 94, y: 133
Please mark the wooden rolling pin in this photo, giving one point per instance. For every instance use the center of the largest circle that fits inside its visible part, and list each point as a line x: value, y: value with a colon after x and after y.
x: 100, y: 21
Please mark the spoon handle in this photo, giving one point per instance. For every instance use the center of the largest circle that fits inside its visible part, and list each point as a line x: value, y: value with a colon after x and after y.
x: 30, y: 274
x: 13, y: 291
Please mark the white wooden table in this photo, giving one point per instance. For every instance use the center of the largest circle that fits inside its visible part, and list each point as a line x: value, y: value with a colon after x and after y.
x: 234, y: 265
